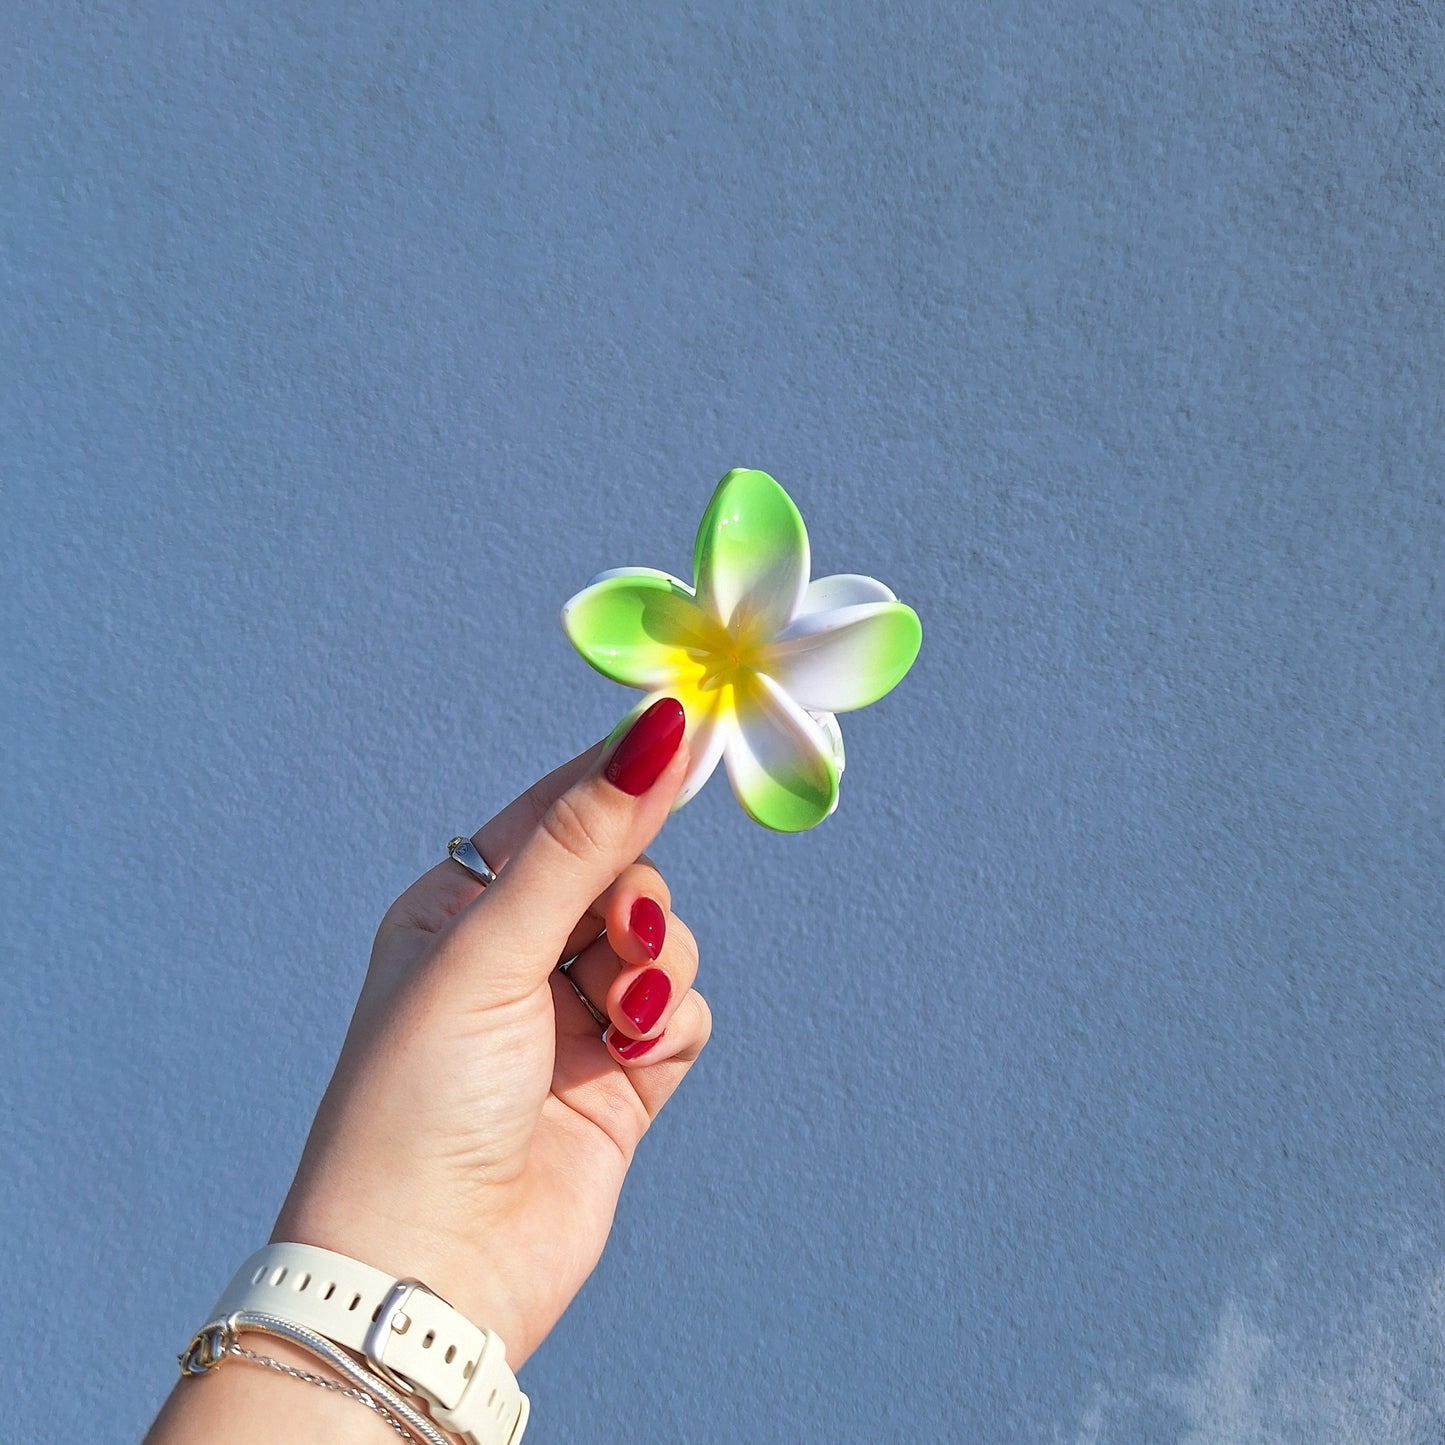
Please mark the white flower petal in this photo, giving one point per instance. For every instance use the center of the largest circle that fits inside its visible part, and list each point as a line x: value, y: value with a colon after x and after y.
x: 843, y: 589
x: 641, y: 574
x: 779, y: 760
x: 844, y: 659
x: 829, y: 723
x: 706, y: 732
x: 705, y: 740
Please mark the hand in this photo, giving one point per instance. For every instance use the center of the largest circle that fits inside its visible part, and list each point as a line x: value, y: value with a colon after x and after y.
x: 477, y: 1129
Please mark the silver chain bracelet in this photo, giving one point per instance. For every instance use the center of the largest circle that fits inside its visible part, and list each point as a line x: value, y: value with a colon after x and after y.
x: 241, y: 1352
x: 218, y: 1340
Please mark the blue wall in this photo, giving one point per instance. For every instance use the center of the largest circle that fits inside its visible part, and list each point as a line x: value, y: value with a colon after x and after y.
x: 1081, y: 1079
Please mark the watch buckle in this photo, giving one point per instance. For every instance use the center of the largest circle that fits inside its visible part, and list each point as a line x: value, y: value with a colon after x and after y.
x: 385, y: 1325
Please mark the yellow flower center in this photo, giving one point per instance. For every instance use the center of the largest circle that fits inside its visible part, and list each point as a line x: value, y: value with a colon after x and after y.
x: 713, y: 660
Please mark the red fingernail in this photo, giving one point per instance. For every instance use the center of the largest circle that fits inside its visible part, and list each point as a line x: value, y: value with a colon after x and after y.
x: 630, y: 1049
x: 648, y: 925
x: 648, y: 747
x: 646, y: 998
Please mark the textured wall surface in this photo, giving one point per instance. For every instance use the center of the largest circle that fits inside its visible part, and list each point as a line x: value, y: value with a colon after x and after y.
x: 1081, y: 1079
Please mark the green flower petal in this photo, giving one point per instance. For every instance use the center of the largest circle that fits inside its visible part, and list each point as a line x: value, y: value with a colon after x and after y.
x: 845, y: 658
x: 639, y: 627
x: 750, y: 561
x: 779, y: 760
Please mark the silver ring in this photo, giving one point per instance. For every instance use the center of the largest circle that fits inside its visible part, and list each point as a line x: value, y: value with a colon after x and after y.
x: 464, y: 851
x: 598, y: 1017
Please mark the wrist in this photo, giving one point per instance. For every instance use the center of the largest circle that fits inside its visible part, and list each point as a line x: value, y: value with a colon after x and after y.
x: 457, y: 1272
x: 398, y: 1347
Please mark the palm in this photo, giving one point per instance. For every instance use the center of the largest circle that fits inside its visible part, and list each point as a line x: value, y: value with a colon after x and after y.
x: 552, y: 1218
x: 542, y: 1122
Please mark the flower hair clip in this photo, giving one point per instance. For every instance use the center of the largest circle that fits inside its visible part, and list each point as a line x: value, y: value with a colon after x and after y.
x: 760, y: 658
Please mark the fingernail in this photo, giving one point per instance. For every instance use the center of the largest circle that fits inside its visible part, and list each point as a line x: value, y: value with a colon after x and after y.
x: 646, y: 998
x: 647, y: 748
x: 648, y: 925
x: 630, y: 1049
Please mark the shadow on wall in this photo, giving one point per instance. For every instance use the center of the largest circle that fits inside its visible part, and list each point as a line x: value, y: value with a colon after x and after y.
x: 1372, y: 1374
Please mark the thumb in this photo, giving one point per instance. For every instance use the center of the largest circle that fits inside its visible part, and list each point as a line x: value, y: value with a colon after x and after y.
x: 509, y: 940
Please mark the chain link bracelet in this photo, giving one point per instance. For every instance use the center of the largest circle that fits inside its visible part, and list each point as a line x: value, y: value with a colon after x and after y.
x: 242, y: 1353
x: 217, y: 1341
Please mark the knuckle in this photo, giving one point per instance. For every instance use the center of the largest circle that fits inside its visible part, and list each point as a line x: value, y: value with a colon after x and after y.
x: 700, y: 1026
x: 537, y: 800
x: 577, y: 827
x: 621, y: 1115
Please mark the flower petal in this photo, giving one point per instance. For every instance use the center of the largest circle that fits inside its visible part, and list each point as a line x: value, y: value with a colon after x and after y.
x: 843, y: 589
x: 706, y: 738
x: 834, y: 734
x: 706, y: 731
x: 639, y: 627
x: 750, y: 560
x: 844, y: 659
x: 779, y: 760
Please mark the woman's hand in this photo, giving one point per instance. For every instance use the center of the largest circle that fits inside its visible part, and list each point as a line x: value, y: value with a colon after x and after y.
x: 477, y: 1129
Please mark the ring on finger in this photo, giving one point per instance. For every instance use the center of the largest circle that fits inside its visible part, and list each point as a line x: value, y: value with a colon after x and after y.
x: 598, y: 1017
x: 464, y: 851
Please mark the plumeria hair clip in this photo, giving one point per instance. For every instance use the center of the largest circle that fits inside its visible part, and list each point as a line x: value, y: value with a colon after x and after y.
x: 760, y: 658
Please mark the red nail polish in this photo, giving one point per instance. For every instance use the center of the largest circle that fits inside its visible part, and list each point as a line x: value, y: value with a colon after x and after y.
x: 630, y: 1049
x: 646, y: 998
x: 647, y: 747
x: 648, y: 925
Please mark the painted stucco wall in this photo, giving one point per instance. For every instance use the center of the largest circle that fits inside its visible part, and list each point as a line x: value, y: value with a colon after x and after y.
x: 1081, y: 1079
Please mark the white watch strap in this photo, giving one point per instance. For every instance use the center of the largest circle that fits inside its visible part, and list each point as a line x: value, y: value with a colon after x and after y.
x: 401, y: 1327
